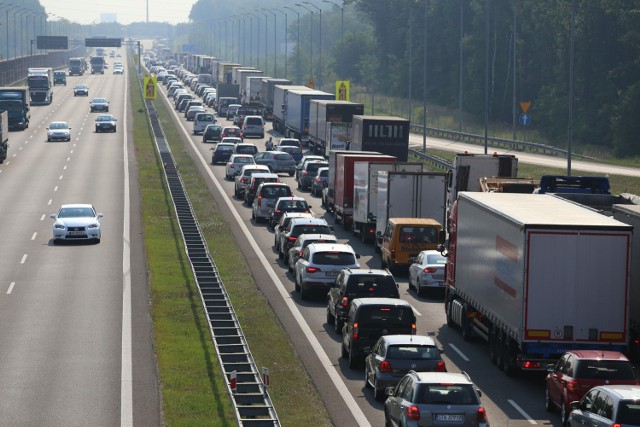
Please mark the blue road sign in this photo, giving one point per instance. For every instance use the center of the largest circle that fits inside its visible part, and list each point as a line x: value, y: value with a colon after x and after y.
x: 525, y: 119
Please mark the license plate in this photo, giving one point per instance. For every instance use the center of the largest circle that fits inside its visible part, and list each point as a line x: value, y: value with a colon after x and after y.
x: 331, y: 273
x: 76, y: 233
x: 440, y: 283
x: 449, y: 418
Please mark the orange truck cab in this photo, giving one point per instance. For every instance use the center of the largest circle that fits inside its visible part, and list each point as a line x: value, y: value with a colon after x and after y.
x: 405, y: 238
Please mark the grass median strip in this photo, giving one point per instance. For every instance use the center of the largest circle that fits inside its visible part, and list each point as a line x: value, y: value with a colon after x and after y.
x: 193, y: 389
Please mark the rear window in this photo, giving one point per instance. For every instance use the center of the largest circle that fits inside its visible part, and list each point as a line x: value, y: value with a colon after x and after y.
x: 628, y: 412
x: 243, y: 160
x: 385, y: 316
x: 418, y: 235
x: 324, y: 173
x: 283, y: 156
x: 413, y: 352
x: 446, y: 394
x: 334, y: 258
x: 247, y: 150
x: 313, y: 167
x: 309, y: 241
x: 204, y: 117
x: 605, y: 370
x: 291, y: 205
x: 276, y: 192
x: 224, y: 148
x: 368, y: 286
x: 310, y: 229
x: 291, y: 149
x: 255, y: 121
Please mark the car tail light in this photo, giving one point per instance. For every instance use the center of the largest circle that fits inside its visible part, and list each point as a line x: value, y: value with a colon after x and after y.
x: 413, y: 329
x: 300, y: 253
x: 312, y: 269
x: 413, y: 413
x: 344, y: 302
x: 441, y: 367
x: 354, y: 333
x: 573, y: 387
x: 385, y: 366
x: 243, y: 180
x: 231, y: 165
x: 292, y: 239
x: 481, y: 415
x: 260, y: 200
x: 305, y: 173
x: 318, y: 180
x: 429, y: 270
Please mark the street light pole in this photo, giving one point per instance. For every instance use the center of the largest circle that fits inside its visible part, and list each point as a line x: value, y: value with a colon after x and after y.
x: 310, y: 41
x: 275, y: 50
x: 286, y: 43
x: 266, y: 48
x: 320, y: 44
x: 297, y: 44
x: 341, y: 36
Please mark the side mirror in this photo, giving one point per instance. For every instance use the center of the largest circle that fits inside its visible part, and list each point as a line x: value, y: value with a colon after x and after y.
x: 357, y: 256
x: 366, y: 350
x: 550, y: 368
x: 479, y: 392
x: 413, y: 259
x: 53, y: 216
x: 388, y: 391
x: 574, y: 405
x: 100, y: 215
x: 442, y: 236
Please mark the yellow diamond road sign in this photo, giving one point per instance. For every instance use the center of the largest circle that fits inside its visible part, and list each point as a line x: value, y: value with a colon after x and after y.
x: 150, y: 87
x: 342, y: 90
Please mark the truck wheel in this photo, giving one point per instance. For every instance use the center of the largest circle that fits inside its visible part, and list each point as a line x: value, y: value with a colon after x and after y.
x: 510, y: 364
x: 499, y: 345
x: 492, y: 345
x: 465, y: 327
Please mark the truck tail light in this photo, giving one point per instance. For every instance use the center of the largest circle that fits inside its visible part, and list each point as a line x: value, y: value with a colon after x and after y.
x: 429, y: 270
x: 481, y: 415
x: 354, y: 333
x: 344, y: 302
x: 312, y: 269
x: 413, y: 413
x: 385, y: 366
x: 441, y: 367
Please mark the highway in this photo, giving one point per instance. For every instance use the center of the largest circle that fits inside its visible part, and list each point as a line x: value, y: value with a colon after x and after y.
x: 75, y: 332
x: 509, y: 401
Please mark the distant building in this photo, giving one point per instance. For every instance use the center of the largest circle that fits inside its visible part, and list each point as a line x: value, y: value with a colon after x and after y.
x: 108, y: 17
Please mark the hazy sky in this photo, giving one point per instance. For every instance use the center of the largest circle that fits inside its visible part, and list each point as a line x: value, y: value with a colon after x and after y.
x: 88, y: 11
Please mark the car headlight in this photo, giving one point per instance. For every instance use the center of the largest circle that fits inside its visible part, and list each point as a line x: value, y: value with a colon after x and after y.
x: 93, y: 226
x: 59, y: 227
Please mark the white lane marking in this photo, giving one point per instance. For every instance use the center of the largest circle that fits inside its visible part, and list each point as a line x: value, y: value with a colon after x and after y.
x: 7, y: 163
x: 60, y: 178
x: 11, y: 285
x: 328, y: 365
x: 19, y: 148
x: 15, y: 154
x: 126, y: 373
x: 416, y: 312
x: 522, y: 412
x: 42, y: 217
x: 33, y: 237
x: 65, y: 167
x: 24, y: 258
x: 55, y: 188
x: 460, y: 353
x: 68, y: 158
x: 50, y: 201
x: 71, y: 152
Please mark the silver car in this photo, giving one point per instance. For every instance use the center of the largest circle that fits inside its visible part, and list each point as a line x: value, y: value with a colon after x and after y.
x: 265, y: 199
x: 427, y: 271
x: 303, y: 241
x: 443, y: 398
x: 278, y: 162
x: 612, y: 405
x: 76, y: 222
x: 244, y: 177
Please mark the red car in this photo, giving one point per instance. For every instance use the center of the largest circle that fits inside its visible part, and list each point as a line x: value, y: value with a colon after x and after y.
x: 578, y: 371
x: 231, y: 131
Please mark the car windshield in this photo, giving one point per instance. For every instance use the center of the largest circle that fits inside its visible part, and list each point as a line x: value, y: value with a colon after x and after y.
x: 99, y: 101
x: 334, y: 258
x: 628, y: 412
x: 58, y: 125
x: 413, y: 352
x: 76, y: 213
x: 104, y: 118
x: 446, y: 394
x: 81, y: 87
x: 282, y: 156
x: 605, y: 370
x: 204, y: 117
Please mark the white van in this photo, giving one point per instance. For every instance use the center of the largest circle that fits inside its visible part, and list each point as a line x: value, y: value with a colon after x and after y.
x: 253, y: 125
x: 201, y: 121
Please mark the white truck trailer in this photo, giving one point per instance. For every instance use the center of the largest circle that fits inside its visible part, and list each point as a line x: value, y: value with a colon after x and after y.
x: 535, y: 275
x: 365, y: 194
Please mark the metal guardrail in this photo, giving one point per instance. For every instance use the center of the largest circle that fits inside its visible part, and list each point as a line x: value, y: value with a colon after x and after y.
x: 494, y: 142
x: 435, y: 160
x: 249, y: 396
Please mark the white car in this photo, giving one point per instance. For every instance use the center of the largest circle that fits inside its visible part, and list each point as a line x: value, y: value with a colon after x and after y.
x: 319, y: 266
x: 76, y: 222
x: 235, y: 164
x: 58, y: 131
x: 118, y: 69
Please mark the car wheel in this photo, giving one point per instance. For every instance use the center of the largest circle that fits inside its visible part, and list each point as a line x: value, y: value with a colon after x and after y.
x: 289, y: 267
x: 304, y: 293
x: 280, y: 254
x: 343, y: 351
x: 337, y: 326
x: 114, y: 129
x: 290, y: 173
x: 330, y: 317
x: 548, y: 405
x: 563, y: 413
x: 235, y: 193
x: 353, y: 362
x: 378, y: 394
x: 297, y: 284
x: 366, y: 378
x: 97, y: 240
x: 48, y: 139
x: 419, y: 291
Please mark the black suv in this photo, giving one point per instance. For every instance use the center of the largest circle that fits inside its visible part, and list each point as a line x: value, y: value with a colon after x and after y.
x: 357, y: 283
x: 369, y: 319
